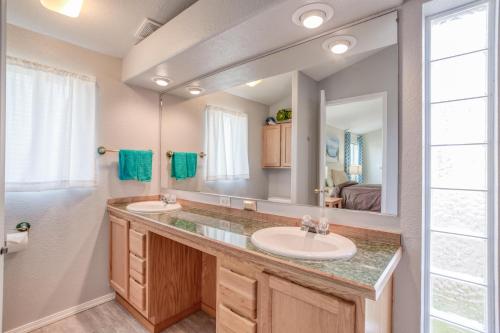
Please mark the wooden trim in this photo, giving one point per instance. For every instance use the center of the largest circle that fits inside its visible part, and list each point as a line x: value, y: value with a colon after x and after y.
x: 312, y: 297
x: 55, y: 317
x: 208, y: 310
x: 136, y: 314
x: 208, y: 283
x: 176, y: 318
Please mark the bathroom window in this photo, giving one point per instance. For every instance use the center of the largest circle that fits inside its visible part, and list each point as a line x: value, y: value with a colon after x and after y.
x: 459, y: 162
x: 50, y: 128
x: 226, y: 141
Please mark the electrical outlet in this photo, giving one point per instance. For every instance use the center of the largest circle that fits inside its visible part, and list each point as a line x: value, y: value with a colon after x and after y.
x: 225, y: 201
x: 250, y: 205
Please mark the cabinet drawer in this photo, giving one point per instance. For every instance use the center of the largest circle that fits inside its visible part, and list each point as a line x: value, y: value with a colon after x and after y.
x: 141, y: 278
x: 232, y: 322
x: 137, y: 264
x: 238, y: 292
x: 137, y: 243
x: 137, y: 295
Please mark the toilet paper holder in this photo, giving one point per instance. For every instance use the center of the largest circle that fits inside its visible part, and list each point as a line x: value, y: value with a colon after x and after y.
x: 21, y: 227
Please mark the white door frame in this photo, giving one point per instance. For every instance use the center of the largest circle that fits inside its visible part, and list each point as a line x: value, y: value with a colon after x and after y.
x: 3, y: 26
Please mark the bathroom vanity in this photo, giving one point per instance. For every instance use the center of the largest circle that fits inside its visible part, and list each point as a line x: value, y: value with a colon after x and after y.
x: 165, y: 267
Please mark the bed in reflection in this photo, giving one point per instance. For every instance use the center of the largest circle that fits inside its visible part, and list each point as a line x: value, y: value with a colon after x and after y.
x: 359, y: 196
x: 355, y: 196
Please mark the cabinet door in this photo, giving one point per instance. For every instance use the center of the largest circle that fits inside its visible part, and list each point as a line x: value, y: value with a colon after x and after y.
x: 286, y: 145
x: 294, y: 309
x: 271, y: 146
x: 118, y: 270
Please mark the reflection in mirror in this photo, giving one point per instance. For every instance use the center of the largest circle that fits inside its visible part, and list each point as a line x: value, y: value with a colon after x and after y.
x: 313, y: 124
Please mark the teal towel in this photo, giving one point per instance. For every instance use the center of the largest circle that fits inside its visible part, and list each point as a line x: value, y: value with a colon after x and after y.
x: 135, y: 165
x: 184, y: 165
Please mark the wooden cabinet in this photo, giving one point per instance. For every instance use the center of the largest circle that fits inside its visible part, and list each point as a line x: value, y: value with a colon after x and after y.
x: 161, y: 280
x: 286, y: 145
x: 277, y: 146
x: 118, y: 270
x: 250, y: 300
x: 291, y: 308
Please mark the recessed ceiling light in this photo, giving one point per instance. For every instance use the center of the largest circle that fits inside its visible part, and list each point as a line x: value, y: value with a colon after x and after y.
x: 69, y: 8
x: 253, y: 83
x: 313, y: 15
x: 339, y: 44
x: 161, y: 81
x: 194, y: 90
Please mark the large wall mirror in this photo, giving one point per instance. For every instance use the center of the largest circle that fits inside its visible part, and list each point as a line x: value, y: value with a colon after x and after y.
x: 315, y: 123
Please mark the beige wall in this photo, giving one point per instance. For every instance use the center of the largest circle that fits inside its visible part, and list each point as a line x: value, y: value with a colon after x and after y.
x: 373, y: 152
x: 305, y: 158
x: 406, y: 313
x: 280, y: 180
x: 183, y: 130
x: 66, y: 262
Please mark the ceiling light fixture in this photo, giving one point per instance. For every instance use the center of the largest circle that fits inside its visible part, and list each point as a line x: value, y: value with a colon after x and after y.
x: 161, y: 81
x: 69, y: 8
x: 312, y: 15
x: 253, y: 83
x: 339, y: 44
x: 193, y: 90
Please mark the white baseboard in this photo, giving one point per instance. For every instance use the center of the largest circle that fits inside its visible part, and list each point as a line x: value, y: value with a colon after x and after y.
x: 62, y: 314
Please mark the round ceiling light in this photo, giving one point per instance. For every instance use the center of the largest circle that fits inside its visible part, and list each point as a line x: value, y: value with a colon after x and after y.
x: 312, y: 15
x: 161, y: 81
x: 193, y: 90
x: 339, y: 44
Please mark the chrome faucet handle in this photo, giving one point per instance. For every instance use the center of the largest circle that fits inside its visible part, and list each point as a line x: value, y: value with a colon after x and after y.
x: 308, y: 224
x: 323, y: 226
x: 164, y: 198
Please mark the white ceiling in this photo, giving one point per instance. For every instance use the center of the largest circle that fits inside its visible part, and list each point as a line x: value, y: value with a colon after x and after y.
x: 325, y: 69
x: 243, y: 29
x: 105, y: 26
x: 271, y: 90
x: 309, y: 57
x: 360, y: 117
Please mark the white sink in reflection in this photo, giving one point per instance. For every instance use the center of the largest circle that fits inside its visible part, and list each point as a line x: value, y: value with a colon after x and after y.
x: 295, y: 243
x: 152, y: 207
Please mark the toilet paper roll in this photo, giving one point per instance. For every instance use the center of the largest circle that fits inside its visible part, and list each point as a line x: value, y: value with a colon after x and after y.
x: 17, y: 241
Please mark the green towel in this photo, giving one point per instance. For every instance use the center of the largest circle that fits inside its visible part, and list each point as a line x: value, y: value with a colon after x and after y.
x: 135, y: 165
x: 184, y: 165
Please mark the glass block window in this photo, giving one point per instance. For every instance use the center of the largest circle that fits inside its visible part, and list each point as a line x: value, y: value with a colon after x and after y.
x: 458, y: 198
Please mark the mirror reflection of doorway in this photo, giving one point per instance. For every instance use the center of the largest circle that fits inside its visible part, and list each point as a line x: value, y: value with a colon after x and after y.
x: 355, y: 159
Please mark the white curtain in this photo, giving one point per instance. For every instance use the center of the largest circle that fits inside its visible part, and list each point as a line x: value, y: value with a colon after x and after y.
x: 50, y: 128
x: 226, y: 144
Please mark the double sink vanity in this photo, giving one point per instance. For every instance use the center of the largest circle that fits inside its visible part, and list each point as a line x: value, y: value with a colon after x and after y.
x: 254, y: 272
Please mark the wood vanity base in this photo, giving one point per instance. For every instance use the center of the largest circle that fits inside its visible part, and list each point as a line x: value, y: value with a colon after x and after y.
x: 162, y: 275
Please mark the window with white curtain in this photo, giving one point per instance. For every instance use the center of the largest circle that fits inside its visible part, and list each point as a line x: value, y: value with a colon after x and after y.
x: 226, y: 144
x: 459, y: 199
x: 50, y: 128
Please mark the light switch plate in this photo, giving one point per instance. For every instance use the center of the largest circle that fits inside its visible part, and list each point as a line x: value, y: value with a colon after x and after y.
x: 225, y: 201
x: 250, y: 205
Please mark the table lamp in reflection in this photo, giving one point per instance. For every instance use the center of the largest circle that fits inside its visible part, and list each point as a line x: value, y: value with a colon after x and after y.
x: 355, y: 170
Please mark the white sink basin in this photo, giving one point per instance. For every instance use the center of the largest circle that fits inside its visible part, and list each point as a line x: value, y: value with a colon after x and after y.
x: 152, y: 207
x: 295, y: 243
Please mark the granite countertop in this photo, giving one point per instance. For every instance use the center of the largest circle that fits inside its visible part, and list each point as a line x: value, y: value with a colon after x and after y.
x: 365, y: 268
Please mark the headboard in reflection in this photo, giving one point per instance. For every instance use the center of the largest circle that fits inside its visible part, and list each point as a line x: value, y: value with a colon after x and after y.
x: 302, y: 125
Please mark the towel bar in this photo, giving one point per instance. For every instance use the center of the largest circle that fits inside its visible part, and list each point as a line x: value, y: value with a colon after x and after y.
x: 171, y: 153
x: 103, y: 150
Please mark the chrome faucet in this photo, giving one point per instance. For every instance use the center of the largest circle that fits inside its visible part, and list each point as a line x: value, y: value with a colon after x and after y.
x: 164, y: 198
x: 309, y: 225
